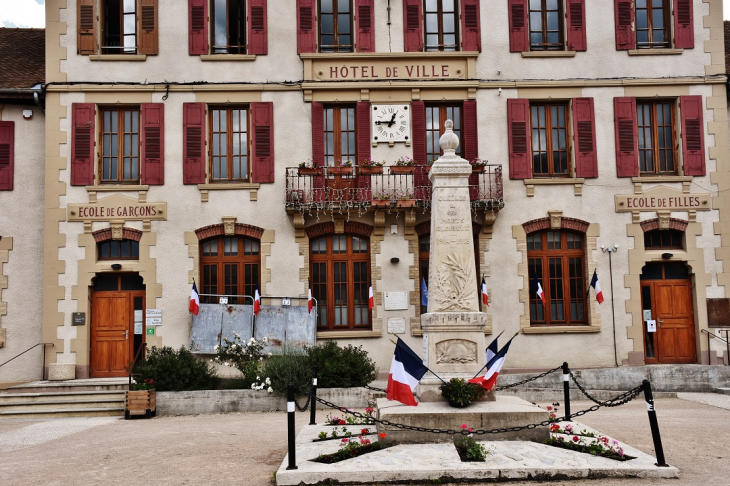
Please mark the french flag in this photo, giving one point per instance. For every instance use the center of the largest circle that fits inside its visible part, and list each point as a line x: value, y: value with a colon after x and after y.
x: 492, y: 349
x: 194, y: 306
x: 485, y: 296
x: 256, y: 302
x: 597, y: 287
x: 371, y: 297
x: 537, y: 288
x: 310, y: 301
x: 405, y: 372
x: 494, y: 366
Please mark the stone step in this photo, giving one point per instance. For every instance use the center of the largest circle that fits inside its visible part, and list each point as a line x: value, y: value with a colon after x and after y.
x: 85, y: 385
x: 723, y: 391
x: 55, y: 404
x: 12, y: 398
x: 63, y: 412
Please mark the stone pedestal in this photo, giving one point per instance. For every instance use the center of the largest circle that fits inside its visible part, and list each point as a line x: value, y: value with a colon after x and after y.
x: 61, y: 371
x: 503, y: 413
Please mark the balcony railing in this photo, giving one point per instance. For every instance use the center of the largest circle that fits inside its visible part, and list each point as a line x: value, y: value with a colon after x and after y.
x: 329, y: 187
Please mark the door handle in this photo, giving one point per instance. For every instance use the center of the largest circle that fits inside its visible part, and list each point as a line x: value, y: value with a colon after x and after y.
x: 126, y: 334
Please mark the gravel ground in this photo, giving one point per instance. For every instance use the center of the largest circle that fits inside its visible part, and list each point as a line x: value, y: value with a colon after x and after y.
x: 247, y: 448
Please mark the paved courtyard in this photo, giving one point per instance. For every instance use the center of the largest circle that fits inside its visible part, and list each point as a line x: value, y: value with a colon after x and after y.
x: 242, y: 448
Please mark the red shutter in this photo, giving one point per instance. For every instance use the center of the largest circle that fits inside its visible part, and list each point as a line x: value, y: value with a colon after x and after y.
x: 519, y: 35
x: 153, y: 144
x: 418, y: 127
x: 306, y: 26
x: 518, y: 120
x: 693, y: 135
x: 262, y: 153
x: 365, y: 26
x: 576, y: 25
x: 471, y: 143
x: 684, y: 30
x: 258, y: 35
x: 363, y: 147
x: 83, y: 133
x: 7, y: 155
x: 624, y: 18
x: 193, y: 143
x: 627, y: 141
x: 147, y: 38
x: 412, y: 26
x: 318, y: 149
x: 584, y: 128
x: 86, y: 27
x: 471, y: 33
x: 198, y: 27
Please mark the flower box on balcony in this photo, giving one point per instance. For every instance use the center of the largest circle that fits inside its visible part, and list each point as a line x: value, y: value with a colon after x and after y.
x: 406, y: 203
x: 339, y: 171
x: 310, y: 170
x: 376, y: 169
x: 380, y: 203
x: 402, y: 169
x: 477, y: 169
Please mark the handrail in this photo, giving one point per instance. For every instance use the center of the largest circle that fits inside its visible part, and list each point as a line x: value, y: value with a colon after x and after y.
x: 43, y: 364
x: 726, y: 341
x: 136, y: 357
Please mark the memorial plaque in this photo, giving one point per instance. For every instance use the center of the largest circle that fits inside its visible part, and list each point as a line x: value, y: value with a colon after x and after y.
x: 396, y: 325
x: 396, y: 300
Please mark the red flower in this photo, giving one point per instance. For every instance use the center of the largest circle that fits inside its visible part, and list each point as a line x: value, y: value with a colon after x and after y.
x: 382, y: 435
x: 575, y: 438
x: 342, y: 422
x: 549, y: 408
x: 345, y: 440
x: 364, y: 431
x: 554, y: 428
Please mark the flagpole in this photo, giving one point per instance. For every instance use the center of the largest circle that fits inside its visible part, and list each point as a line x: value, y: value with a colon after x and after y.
x: 613, y: 310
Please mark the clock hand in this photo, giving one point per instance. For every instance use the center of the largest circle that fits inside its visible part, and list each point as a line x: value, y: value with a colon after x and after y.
x: 392, y: 121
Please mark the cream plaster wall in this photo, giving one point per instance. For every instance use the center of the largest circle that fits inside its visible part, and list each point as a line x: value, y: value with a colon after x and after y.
x: 21, y: 249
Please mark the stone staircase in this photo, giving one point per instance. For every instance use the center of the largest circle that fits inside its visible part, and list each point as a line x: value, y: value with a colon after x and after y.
x: 55, y: 399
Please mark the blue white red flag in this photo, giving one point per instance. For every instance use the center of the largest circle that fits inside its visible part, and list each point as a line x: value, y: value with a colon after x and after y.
x: 371, y: 297
x: 256, y: 302
x: 492, y: 350
x: 485, y: 296
x: 424, y: 293
x: 537, y: 289
x: 194, y: 306
x: 597, y: 287
x: 405, y: 372
x: 494, y: 366
x: 310, y: 301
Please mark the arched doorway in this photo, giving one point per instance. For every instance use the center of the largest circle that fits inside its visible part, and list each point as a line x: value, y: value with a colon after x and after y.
x: 117, y: 323
x: 666, y: 297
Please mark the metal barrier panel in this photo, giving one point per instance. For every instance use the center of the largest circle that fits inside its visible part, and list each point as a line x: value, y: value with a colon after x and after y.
x: 285, y: 326
x: 216, y: 322
x: 238, y: 319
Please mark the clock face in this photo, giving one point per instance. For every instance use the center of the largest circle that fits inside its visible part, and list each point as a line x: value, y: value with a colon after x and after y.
x: 391, y: 123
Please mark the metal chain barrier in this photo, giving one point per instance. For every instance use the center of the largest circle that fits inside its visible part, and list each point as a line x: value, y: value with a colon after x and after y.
x: 519, y: 383
x: 621, y: 399
x: 309, y: 397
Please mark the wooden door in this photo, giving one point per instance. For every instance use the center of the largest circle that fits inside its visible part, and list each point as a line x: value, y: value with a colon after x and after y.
x: 111, y: 330
x: 675, y: 323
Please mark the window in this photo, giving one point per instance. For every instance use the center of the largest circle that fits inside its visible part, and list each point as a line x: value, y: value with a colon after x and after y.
x: 557, y: 260
x: 546, y: 25
x: 116, y: 27
x: 119, y: 250
x: 440, y: 18
x: 229, y: 147
x: 229, y: 26
x: 550, y: 139
x: 7, y: 155
x: 120, y: 27
x: 663, y: 240
x: 229, y: 265
x: 335, y: 26
x: 655, y: 122
x: 436, y: 116
x: 652, y: 24
x: 340, y: 281
x: 120, y: 145
x: 339, y: 134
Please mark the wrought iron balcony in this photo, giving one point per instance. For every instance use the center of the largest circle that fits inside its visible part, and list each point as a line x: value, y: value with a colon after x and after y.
x: 385, y: 187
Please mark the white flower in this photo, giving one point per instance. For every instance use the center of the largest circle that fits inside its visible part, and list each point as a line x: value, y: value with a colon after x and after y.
x: 264, y: 339
x: 258, y: 378
x: 261, y: 358
x: 252, y: 340
x: 270, y: 390
x: 216, y: 348
x: 268, y: 381
x: 253, y: 386
x: 236, y: 334
x: 268, y: 354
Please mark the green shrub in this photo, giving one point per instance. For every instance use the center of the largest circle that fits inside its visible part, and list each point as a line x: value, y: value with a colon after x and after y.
x: 290, y: 365
x: 176, y: 370
x: 460, y: 393
x: 469, y: 450
x: 341, y: 367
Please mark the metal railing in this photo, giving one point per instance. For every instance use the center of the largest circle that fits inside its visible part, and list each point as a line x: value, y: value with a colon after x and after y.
x: 725, y: 340
x: 43, y: 361
x: 134, y: 363
x: 388, y: 187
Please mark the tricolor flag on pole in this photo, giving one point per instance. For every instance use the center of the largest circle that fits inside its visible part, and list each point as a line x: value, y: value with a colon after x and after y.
x: 489, y: 380
x: 597, y: 287
x: 256, y: 302
x: 537, y: 288
x: 424, y: 293
x: 371, y: 297
x: 310, y: 301
x: 405, y: 372
x: 485, y: 296
x: 492, y: 350
x: 194, y: 306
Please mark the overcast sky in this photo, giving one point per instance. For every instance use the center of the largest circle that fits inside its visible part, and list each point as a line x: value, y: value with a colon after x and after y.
x: 30, y: 13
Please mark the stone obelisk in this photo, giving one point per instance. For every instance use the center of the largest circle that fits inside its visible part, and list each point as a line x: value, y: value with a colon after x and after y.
x: 453, y: 338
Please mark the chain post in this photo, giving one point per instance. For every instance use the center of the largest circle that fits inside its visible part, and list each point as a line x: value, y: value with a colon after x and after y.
x: 566, y: 390
x: 649, y: 397
x: 290, y: 426
x: 313, y: 397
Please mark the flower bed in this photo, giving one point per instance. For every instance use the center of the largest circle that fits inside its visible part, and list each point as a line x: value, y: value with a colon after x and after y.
x: 588, y: 442
x: 352, y: 448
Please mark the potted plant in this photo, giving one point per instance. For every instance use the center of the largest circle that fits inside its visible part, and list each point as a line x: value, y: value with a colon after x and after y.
x: 308, y: 168
x: 140, y: 400
x: 343, y: 167
x: 460, y: 393
x: 381, y: 200
x: 370, y: 166
x: 405, y: 199
x: 477, y: 165
x: 404, y: 165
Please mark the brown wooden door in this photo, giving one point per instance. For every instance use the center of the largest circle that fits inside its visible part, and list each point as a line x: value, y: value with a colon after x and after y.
x: 111, y: 331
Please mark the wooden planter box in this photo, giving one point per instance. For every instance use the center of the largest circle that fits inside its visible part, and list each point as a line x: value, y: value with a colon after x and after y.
x: 402, y: 169
x: 140, y: 402
x: 406, y: 203
x: 382, y: 203
x: 378, y: 169
x: 339, y: 170
x: 476, y: 169
x: 310, y: 171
